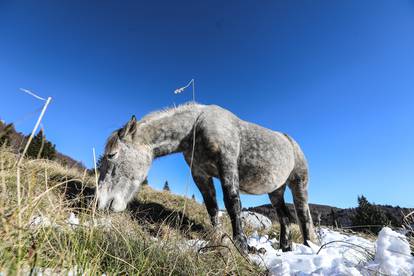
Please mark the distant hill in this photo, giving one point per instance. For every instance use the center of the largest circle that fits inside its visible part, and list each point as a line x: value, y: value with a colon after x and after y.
x: 329, y: 215
x: 17, y: 140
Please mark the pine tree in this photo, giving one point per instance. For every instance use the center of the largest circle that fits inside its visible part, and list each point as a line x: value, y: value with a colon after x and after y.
x: 369, y: 215
x: 5, y: 131
x: 166, y: 187
x: 40, y: 147
x: 333, y: 216
x: 193, y: 197
x: 145, y: 182
x: 99, y: 162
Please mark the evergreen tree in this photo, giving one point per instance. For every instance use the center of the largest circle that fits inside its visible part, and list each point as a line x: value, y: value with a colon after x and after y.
x: 166, y: 187
x: 369, y: 215
x: 193, y: 197
x: 145, y: 182
x: 99, y: 162
x: 40, y: 147
x: 333, y: 216
x: 5, y: 131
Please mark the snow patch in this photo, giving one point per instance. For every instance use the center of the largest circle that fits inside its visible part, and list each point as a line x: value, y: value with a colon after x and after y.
x: 339, y: 254
x: 195, y: 244
x: 393, y: 255
x: 40, y: 221
x: 72, y: 221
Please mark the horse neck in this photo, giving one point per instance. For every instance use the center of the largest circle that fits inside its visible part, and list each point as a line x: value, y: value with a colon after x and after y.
x: 168, y: 133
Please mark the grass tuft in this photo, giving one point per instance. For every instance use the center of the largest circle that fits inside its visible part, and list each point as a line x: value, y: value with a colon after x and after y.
x: 409, y: 227
x: 151, y: 239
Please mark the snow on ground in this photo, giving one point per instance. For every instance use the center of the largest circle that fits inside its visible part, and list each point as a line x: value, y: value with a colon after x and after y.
x: 40, y: 221
x: 50, y: 272
x: 339, y: 254
x: 72, y: 221
x: 193, y: 244
x: 393, y: 254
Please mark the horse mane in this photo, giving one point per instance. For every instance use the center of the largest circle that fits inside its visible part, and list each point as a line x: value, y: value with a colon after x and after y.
x: 154, y: 115
x: 158, y: 114
x: 112, y: 140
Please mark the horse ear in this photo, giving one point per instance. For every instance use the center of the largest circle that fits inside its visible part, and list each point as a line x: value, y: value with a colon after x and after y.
x: 133, y: 120
x: 129, y: 128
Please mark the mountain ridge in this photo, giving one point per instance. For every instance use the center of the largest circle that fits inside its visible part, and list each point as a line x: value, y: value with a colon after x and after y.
x: 333, y: 216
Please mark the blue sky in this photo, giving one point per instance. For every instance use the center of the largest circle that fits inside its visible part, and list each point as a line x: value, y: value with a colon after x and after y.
x: 335, y: 75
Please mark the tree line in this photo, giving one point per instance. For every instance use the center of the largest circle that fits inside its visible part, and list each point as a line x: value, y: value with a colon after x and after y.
x: 39, y: 148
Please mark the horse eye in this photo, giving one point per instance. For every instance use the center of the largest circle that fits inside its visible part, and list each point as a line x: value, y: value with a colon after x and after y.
x: 110, y: 156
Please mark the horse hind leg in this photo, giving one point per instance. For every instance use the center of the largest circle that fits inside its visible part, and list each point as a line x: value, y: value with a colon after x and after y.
x: 278, y: 202
x: 206, y: 186
x: 298, y: 183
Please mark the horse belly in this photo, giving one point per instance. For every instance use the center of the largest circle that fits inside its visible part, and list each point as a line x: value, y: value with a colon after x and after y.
x: 266, y: 160
x: 259, y: 182
x: 265, y: 175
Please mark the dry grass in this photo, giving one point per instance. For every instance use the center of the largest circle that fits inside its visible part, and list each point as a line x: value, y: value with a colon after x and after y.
x: 409, y: 226
x: 195, y: 211
x: 148, y: 240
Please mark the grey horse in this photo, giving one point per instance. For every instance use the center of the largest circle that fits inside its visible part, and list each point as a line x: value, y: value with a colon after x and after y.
x: 245, y: 157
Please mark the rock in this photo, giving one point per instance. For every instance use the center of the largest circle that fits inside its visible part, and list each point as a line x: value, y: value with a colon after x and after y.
x: 255, y: 221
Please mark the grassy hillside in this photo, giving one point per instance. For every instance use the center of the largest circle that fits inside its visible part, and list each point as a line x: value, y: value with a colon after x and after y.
x: 152, y: 238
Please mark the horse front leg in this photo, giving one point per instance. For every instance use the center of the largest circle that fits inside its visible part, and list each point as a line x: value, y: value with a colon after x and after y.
x: 229, y: 178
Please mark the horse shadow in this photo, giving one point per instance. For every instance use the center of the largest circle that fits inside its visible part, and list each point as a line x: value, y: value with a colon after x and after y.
x: 155, y: 213
x: 78, y: 196
x: 81, y: 198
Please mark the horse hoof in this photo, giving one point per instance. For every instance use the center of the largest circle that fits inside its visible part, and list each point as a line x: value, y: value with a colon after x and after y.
x: 241, y: 243
x: 286, y: 248
x: 254, y: 250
